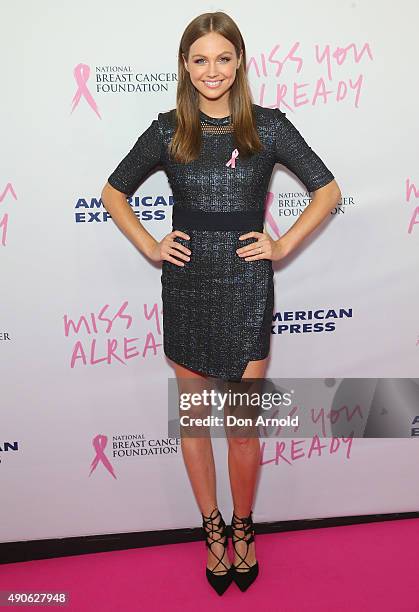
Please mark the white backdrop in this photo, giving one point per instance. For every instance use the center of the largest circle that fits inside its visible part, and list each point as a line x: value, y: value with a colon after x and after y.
x: 81, y: 329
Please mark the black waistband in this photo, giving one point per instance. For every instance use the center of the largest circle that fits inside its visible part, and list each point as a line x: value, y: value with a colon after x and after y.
x: 204, y: 220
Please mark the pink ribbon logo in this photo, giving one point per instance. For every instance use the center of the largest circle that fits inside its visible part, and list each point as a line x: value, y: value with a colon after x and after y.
x: 268, y: 215
x: 99, y: 444
x: 232, y: 162
x: 81, y: 74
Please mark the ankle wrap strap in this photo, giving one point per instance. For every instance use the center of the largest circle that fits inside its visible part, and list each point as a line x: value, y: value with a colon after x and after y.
x: 208, y: 521
x: 219, y: 529
x: 244, y: 524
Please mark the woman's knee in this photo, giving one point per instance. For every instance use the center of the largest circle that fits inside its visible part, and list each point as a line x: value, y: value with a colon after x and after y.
x: 242, y: 441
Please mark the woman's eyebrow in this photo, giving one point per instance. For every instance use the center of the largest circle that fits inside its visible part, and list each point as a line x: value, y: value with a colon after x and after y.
x: 202, y: 55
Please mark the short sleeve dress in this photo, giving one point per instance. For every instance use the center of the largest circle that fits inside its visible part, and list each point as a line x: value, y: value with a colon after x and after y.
x: 217, y: 308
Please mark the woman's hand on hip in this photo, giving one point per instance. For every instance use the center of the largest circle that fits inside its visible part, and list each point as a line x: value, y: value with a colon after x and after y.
x: 169, y: 249
x: 263, y: 248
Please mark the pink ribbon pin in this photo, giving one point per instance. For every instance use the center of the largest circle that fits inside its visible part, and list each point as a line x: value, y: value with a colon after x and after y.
x: 232, y: 162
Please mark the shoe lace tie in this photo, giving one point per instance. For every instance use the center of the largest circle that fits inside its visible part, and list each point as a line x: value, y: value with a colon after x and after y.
x: 244, y: 524
x: 220, y: 530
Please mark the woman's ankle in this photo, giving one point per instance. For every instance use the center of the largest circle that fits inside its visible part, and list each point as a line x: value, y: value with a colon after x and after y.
x: 242, y: 515
x: 210, y: 511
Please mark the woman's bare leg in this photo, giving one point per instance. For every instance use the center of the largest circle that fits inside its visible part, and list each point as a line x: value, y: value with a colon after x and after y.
x: 199, y: 461
x: 243, y: 465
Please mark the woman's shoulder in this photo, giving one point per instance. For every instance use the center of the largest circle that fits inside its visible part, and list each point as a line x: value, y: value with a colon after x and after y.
x: 264, y: 114
x: 166, y: 119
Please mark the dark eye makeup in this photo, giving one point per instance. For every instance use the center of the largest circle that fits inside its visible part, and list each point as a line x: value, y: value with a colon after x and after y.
x: 201, y: 58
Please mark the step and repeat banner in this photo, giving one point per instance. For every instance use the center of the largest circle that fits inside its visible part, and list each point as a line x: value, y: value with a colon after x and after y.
x: 84, y: 444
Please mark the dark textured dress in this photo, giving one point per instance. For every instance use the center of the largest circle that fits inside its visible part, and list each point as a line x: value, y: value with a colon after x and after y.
x: 217, y: 308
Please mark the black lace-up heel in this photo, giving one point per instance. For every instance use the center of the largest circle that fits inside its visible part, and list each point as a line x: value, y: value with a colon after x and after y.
x: 243, y: 576
x: 219, y: 579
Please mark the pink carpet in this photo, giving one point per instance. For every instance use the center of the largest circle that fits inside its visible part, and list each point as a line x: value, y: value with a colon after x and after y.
x: 369, y: 567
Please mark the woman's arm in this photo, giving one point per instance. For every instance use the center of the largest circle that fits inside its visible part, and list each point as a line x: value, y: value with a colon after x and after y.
x: 144, y: 156
x: 124, y: 217
x: 168, y: 248
x: 323, y: 201
x: 296, y: 154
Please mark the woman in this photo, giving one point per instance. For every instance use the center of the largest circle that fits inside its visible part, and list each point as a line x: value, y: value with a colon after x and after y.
x: 218, y: 150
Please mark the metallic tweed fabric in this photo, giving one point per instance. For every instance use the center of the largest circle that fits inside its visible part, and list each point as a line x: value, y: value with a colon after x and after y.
x: 217, y: 309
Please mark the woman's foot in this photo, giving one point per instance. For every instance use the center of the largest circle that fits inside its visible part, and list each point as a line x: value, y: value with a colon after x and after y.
x: 218, y: 570
x: 245, y: 566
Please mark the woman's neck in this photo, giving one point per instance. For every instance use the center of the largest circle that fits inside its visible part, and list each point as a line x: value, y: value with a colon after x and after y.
x: 218, y: 109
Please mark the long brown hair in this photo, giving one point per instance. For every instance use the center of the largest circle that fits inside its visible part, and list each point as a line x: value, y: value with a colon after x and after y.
x: 186, y: 142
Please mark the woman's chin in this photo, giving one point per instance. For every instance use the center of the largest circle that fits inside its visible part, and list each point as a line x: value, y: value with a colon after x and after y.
x: 212, y: 94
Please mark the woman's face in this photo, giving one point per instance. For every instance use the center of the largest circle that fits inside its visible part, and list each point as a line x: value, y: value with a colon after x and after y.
x: 212, y: 65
